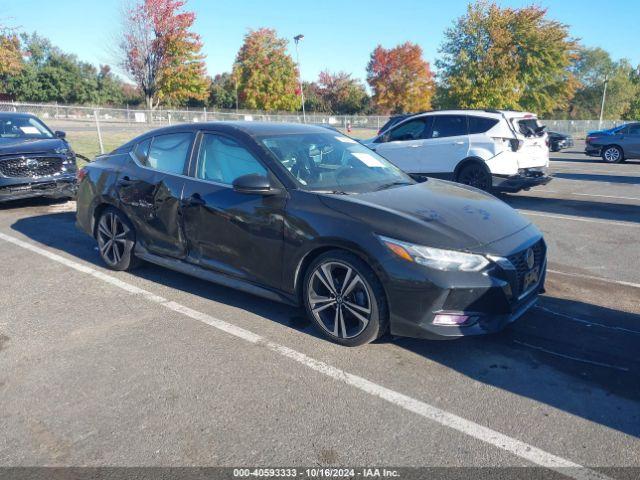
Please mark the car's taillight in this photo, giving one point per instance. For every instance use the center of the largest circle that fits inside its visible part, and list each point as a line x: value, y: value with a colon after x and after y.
x: 590, y: 139
x: 515, y: 144
x: 80, y: 174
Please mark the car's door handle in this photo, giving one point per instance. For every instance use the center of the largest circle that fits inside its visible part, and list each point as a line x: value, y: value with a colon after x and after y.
x: 414, y: 146
x: 195, y: 200
x: 125, y: 182
x: 458, y: 143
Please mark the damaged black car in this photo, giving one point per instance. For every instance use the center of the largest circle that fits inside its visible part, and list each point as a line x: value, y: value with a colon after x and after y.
x: 34, y: 161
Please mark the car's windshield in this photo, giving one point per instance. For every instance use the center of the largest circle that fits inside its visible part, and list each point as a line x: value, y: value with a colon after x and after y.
x: 23, y: 127
x: 330, y: 162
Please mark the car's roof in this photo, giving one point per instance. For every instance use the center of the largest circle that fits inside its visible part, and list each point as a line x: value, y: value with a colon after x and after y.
x: 491, y: 113
x: 16, y: 114
x: 253, y: 129
x: 250, y: 127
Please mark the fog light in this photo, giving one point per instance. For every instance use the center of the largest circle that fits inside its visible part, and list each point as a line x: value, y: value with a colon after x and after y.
x: 450, y: 319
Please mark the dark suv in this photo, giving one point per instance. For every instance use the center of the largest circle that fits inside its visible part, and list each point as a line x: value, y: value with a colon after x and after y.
x: 34, y: 161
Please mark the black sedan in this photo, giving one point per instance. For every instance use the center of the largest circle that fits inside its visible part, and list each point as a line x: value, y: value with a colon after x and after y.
x: 34, y: 161
x: 310, y: 217
x: 559, y: 141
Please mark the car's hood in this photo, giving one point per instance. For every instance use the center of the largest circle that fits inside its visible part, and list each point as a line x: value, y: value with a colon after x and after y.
x: 433, y: 213
x: 20, y: 146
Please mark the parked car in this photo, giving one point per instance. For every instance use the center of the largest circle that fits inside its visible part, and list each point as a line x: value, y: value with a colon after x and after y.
x: 393, y: 120
x: 616, y: 144
x: 307, y: 216
x: 559, y: 141
x: 487, y: 149
x: 34, y: 161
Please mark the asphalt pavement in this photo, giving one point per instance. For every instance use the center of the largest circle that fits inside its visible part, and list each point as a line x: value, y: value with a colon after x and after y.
x: 154, y: 368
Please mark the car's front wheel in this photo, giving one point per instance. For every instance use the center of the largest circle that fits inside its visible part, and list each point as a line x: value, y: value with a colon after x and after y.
x: 612, y: 154
x: 116, y: 240
x: 344, y: 299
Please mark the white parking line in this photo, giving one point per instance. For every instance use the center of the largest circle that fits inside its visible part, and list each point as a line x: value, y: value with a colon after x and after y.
x: 546, y: 192
x: 593, y: 277
x: 580, y: 219
x: 425, y: 410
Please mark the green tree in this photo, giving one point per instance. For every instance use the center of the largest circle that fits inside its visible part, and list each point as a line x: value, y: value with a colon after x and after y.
x: 633, y: 112
x: 340, y: 93
x: 267, y: 76
x: 50, y: 75
x: 513, y: 58
x: 222, y: 92
x: 313, y: 100
x: 592, y: 68
x: 400, y: 79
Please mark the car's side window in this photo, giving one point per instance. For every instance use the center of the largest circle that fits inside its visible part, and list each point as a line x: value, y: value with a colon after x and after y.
x: 449, y: 126
x: 634, y: 129
x: 411, y: 130
x: 167, y: 153
x: 480, y: 124
x: 222, y: 160
x: 141, y: 151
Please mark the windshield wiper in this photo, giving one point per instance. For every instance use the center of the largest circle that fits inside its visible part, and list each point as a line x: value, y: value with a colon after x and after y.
x: 334, y: 192
x: 392, y: 184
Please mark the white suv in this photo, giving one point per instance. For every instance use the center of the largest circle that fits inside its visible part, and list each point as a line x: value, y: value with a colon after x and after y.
x: 487, y: 149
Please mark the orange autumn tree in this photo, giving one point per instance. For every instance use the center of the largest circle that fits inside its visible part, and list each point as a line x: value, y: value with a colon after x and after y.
x: 266, y: 75
x: 401, y: 80
x: 10, y: 52
x: 162, y: 54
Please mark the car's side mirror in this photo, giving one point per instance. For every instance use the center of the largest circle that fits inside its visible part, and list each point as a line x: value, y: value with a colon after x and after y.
x: 254, y: 184
x: 384, y: 138
x: 60, y: 134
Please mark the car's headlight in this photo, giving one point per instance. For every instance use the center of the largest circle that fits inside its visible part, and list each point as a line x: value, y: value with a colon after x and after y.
x: 435, y: 257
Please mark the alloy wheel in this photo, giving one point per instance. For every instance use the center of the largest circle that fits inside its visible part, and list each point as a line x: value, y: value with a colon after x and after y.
x: 474, y: 177
x: 339, y: 299
x: 612, y: 154
x: 112, y: 238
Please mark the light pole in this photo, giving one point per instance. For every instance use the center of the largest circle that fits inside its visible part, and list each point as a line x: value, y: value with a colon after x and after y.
x: 297, y: 39
x: 604, y: 95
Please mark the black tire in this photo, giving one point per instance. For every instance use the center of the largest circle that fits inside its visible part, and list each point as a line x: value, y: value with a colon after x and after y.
x: 475, y: 175
x: 612, y: 154
x: 116, y: 240
x: 367, y: 294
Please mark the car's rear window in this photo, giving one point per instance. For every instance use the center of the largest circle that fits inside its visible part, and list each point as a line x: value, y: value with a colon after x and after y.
x: 527, y: 126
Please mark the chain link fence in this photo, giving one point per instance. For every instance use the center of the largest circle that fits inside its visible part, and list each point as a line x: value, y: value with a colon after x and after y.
x: 94, y: 130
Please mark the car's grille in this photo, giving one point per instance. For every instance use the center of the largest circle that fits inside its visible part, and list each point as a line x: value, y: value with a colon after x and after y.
x: 30, y: 167
x: 519, y: 261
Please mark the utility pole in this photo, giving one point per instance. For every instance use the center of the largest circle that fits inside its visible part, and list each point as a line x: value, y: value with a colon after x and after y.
x: 297, y: 39
x: 604, y: 96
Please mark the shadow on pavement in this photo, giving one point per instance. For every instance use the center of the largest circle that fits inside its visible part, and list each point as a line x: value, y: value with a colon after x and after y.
x: 591, y: 177
x: 592, y: 349
x: 581, y: 208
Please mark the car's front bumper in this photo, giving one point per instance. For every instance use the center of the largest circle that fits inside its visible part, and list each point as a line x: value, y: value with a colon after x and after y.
x: 562, y: 144
x: 526, y: 178
x: 55, y: 186
x: 592, y: 150
x: 490, y: 299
